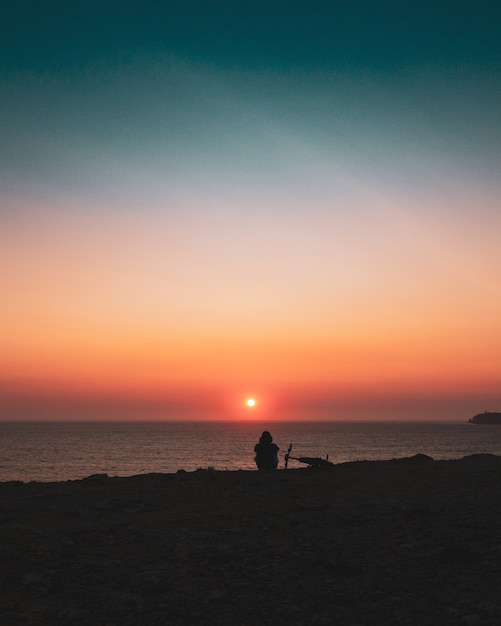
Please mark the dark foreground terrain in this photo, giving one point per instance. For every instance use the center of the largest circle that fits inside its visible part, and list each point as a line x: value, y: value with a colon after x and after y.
x: 410, y: 541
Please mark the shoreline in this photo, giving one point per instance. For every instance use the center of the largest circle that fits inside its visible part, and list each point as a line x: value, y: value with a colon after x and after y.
x: 416, y: 458
x: 408, y: 541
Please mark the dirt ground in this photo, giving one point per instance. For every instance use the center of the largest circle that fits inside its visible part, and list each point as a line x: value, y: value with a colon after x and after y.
x: 403, y: 542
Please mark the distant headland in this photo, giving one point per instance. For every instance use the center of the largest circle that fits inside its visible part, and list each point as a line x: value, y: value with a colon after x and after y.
x: 487, y: 417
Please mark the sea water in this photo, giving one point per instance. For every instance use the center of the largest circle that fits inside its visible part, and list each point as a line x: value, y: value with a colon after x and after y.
x: 57, y: 451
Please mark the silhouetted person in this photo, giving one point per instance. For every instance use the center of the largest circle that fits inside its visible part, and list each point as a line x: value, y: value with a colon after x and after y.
x: 266, y: 452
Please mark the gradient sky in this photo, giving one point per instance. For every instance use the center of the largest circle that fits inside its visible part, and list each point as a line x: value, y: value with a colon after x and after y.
x: 205, y: 201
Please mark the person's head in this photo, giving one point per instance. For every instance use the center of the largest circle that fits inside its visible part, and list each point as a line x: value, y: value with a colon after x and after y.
x: 266, y: 437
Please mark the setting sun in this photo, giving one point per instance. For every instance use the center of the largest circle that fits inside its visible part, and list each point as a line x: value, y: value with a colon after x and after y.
x: 251, y: 402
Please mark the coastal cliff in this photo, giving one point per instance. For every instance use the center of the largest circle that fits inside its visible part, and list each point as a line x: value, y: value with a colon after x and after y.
x: 411, y: 542
x: 486, y: 418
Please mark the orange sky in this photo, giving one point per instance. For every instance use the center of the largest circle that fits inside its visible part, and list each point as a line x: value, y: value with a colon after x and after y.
x: 196, y: 311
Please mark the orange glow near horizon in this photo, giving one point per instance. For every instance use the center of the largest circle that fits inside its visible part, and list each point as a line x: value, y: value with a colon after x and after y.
x: 167, y: 327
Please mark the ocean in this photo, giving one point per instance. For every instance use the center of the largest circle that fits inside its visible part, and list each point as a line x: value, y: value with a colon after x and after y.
x: 59, y: 451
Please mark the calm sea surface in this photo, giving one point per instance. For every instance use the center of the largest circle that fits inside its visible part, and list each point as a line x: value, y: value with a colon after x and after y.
x: 52, y: 451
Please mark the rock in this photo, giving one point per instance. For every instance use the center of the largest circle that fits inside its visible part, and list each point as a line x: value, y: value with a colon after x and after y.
x: 97, y: 477
x: 417, y: 458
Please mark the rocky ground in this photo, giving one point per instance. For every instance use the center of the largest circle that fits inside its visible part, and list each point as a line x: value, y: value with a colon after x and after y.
x: 404, y: 542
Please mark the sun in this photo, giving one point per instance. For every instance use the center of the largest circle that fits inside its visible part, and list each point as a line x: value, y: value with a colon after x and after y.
x: 251, y: 403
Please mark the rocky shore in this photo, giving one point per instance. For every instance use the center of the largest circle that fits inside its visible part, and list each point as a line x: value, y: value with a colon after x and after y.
x: 403, y: 542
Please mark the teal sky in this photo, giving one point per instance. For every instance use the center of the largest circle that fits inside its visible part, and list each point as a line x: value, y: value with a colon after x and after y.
x: 333, y: 36
x: 317, y: 179
x: 248, y: 91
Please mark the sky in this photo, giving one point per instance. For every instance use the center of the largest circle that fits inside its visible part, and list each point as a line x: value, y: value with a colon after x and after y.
x: 203, y: 202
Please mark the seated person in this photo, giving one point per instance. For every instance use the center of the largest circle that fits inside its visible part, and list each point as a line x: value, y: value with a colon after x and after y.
x: 266, y: 452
